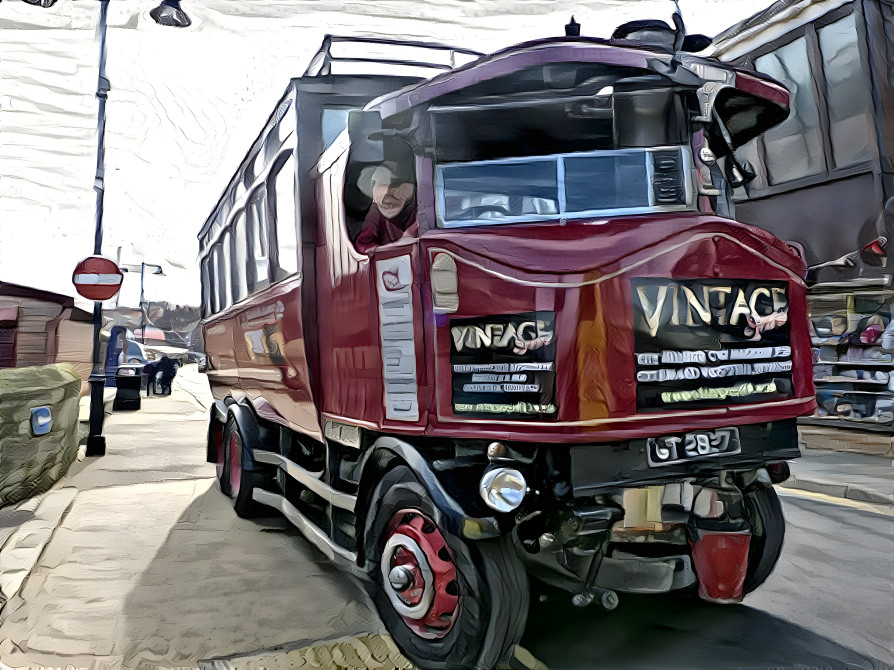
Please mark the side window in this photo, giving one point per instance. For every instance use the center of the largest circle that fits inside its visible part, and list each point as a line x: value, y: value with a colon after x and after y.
x: 794, y: 146
x: 226, y: 262
x: 845, y: 92
x: 207, y: 309
x: 239, y: 258
x: 216, y: 273
x: 258, y: 251
x: 282, y: 191
x: 334, y: 121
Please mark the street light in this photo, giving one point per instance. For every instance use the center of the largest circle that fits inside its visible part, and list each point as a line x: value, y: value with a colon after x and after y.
x: 169, y: 13
x: 156, y: 271
x: 96, y: 442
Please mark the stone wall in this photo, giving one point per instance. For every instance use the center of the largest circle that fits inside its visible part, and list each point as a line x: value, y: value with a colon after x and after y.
x: 30, y: 464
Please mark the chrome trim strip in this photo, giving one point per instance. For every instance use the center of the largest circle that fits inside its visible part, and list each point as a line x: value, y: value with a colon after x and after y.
x: 397, y: 338
x: 341, y: 557
x: 307, y: 478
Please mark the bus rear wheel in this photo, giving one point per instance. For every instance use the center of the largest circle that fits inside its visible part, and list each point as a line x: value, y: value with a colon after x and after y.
x: 447, y: 603
x: 235, y: 481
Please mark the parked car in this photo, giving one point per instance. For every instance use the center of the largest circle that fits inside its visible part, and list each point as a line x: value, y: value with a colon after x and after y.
x: 137, y: 353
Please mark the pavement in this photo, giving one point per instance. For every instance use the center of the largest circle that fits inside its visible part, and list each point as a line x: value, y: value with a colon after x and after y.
x: 135, y: 559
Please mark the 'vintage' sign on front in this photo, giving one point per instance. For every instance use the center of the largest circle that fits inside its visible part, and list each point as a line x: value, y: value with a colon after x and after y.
x: 710, y: 342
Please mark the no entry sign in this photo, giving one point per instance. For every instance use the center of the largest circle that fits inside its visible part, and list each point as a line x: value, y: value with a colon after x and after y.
x: 97, y: 278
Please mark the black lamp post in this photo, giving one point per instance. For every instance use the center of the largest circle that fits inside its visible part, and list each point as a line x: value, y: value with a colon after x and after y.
x: 96, y: 442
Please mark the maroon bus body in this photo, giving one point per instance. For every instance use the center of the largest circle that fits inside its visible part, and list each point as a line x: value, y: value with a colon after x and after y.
x: 342, y: 391
x: 595, y: 369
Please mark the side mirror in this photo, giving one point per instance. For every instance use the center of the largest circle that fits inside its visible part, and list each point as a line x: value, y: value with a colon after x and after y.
x: 363, y: 126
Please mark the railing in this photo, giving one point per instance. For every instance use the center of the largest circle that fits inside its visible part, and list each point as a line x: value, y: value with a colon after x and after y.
x: 389, y: 53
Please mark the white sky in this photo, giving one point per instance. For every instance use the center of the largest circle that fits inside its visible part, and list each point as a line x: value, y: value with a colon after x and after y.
x: 186, y: 104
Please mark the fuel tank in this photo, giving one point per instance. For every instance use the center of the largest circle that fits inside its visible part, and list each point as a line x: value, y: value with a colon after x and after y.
x: 613, y: 329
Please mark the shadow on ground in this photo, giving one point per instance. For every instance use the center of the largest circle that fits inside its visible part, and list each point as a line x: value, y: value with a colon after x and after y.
x: 221, y: 586
x: 668, y: 632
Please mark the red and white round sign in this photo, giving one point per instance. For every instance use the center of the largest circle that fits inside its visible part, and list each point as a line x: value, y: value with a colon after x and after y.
x: 97, y: 278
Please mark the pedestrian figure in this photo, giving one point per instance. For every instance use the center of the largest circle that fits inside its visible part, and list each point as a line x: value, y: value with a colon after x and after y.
x: 168, y: 371
x: 151, y: 370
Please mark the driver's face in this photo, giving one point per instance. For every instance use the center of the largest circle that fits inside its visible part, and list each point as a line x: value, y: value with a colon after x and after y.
x: 391, y: 198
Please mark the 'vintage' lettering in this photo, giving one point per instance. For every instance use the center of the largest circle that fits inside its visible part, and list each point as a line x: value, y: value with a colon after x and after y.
x: 501, y: 335
x: 676, y: 304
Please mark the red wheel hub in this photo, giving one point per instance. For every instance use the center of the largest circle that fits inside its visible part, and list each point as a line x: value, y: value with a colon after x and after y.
x: 235, y: 447
x: 419, y: 575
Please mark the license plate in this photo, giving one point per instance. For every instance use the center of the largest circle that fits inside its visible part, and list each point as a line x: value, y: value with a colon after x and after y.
x: 692, y: 446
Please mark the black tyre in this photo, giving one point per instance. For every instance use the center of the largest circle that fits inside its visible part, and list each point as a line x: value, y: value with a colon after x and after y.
x: 217, y: 449
x: 764, y: 513
x: 447, y: 603
x: 240, y: 482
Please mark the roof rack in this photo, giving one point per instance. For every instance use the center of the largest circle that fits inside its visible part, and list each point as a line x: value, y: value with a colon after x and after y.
x: 388, y: 52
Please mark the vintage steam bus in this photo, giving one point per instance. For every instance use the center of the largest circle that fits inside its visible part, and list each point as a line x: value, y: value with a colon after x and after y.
x: 579, y: 368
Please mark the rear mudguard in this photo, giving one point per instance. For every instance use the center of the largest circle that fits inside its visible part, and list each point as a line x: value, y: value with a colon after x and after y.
x: 244, y: 416
x: 217, y: 417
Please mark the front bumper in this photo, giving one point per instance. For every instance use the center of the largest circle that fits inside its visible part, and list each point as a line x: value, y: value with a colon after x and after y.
x: 598, y: 468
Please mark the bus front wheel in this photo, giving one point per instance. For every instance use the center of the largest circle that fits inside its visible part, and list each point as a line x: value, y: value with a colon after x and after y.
x: 447, y: 603
x: 768, y: 532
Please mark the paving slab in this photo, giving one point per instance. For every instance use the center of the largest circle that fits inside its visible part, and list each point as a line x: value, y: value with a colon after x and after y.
x: 367, y: 652
x: 21, y: 548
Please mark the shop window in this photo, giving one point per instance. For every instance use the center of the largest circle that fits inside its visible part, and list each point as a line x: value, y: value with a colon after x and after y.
x: 845, y: 92
x: 794, y: 148
x: 286, y: 222
x: 258, y: 246
x: 239, y: 258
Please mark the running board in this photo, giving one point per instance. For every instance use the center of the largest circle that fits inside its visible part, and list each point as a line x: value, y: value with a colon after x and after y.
x: 342, y: 558
x: 308, y: 479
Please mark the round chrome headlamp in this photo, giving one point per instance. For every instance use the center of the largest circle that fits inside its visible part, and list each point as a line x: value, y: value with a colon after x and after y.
x: 503, y: 489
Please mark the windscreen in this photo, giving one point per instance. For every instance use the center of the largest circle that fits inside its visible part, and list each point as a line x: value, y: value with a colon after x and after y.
x: 612, y: 143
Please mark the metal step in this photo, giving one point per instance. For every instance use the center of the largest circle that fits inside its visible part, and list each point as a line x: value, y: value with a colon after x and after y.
x: 342, y: 558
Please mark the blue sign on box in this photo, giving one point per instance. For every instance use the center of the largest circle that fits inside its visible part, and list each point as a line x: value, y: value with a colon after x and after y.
x: 41, y: 420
